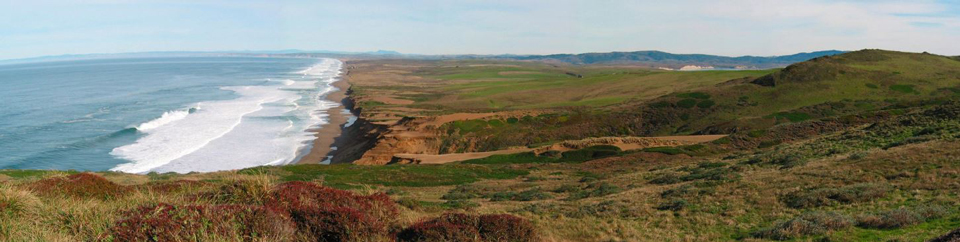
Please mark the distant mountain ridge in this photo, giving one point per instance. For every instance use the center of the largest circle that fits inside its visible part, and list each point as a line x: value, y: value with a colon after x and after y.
x: 670, y: 60
x: 654, y: 59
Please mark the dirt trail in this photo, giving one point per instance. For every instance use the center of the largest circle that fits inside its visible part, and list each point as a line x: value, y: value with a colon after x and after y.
x: 448, y: 158
x: 624, y: 143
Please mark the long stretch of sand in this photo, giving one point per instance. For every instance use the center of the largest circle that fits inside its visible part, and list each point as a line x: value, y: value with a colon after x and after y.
x: 327, y: 134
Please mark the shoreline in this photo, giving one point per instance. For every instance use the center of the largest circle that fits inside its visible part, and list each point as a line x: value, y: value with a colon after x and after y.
x: 326, y: 136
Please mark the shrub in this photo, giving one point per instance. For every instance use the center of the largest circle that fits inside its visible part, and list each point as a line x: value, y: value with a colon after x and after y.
x: 532, y: 195
x: 824, y: 196
x: 599, y: 190
x: 316, y: 209
x: 528, y: 195
x: 808, y: 199
x: 589, y: 153
x: 687, y: 103
x: 756, y: 133
x: 673, y: 205
x: 460, y: 204
x: 792, y: 116
x: 902, y: 88
x: 768, y: 143
x: 952, y: 236
x: 336, y: 224
x: 565, y: 188
x: 464, y: 192
x: 504, y: 227
x: 438, y: 231
x: 464, y: 227
x: 664, y: 150
x: 696, y: 95
x: 166, y: 222
x: 82, y: 185
x: 811, y: 223
x: 668, y: 178
x: 502, y: 196
x: 860, y: 192
x: 901, y: 217
x: 705, y: 104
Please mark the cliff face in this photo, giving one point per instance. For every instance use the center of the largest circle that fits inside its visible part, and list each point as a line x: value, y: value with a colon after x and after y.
x: 405, y: 137
x: 368, y: 143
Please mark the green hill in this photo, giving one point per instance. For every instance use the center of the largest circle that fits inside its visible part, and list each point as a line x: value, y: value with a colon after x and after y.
x: 825, y: 87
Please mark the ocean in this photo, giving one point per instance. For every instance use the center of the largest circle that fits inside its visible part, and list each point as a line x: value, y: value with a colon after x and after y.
x: 180, y: 114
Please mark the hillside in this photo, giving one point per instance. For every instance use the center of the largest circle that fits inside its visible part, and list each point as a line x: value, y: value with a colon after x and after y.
x: 825, y: 87
x: 664, y: 59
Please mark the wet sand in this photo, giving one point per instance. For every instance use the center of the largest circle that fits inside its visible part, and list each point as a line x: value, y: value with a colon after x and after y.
x: 328, y: 133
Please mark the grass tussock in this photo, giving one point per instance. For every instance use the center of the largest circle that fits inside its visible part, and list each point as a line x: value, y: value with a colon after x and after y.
x: 82, y: 185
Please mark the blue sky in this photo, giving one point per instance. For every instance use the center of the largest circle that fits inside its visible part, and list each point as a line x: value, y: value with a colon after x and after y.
x: 734, y: 27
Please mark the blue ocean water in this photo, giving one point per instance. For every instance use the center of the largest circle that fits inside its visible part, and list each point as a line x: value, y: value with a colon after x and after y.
x: 161, y: 114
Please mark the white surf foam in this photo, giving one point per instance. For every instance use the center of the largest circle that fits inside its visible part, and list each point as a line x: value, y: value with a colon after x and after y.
x: 167, y: 118
x: 266, y: 125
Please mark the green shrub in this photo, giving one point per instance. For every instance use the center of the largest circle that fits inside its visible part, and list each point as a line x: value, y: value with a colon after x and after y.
x: 589, y: 153
x: 792, y: 116
x: 518, y: 158
x: 664, y: 150
x: 660, y: 104
x: 903, y: 88
x: 460, y: 204
x: 756, y: 133
x: 464, y: 192
x: 872, y: 86
x: 705, y: 104
x: 669, y: 178
x: 687, y: 103
x: 532, y: 195
x: 825, y: 196
x: 599, y: 190
x: 672, y: 205
x: 768, y: 144
x: 565, y: 188
x: 695, y: 95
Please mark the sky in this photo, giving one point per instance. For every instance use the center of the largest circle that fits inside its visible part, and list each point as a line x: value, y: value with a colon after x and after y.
x: 732, y: 27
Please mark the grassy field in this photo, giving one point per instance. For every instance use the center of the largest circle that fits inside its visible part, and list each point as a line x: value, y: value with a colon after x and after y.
x: 485, y: 86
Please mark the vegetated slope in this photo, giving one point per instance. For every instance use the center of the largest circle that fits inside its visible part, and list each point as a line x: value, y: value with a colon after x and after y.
x: 832, y: 86
x: 893, y: 178
x: 664, y: 59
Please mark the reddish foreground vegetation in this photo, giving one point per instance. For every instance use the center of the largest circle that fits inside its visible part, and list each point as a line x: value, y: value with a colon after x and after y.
x: 466, y: 227
x: 292, y: 211
x: 166, y: 222
x: 82, y: 185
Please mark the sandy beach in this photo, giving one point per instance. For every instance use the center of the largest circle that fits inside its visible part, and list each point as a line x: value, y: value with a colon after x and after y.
x: 328, y: 133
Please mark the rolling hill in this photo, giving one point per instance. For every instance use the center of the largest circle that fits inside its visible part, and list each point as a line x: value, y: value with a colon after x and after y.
x: 664, y: 59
